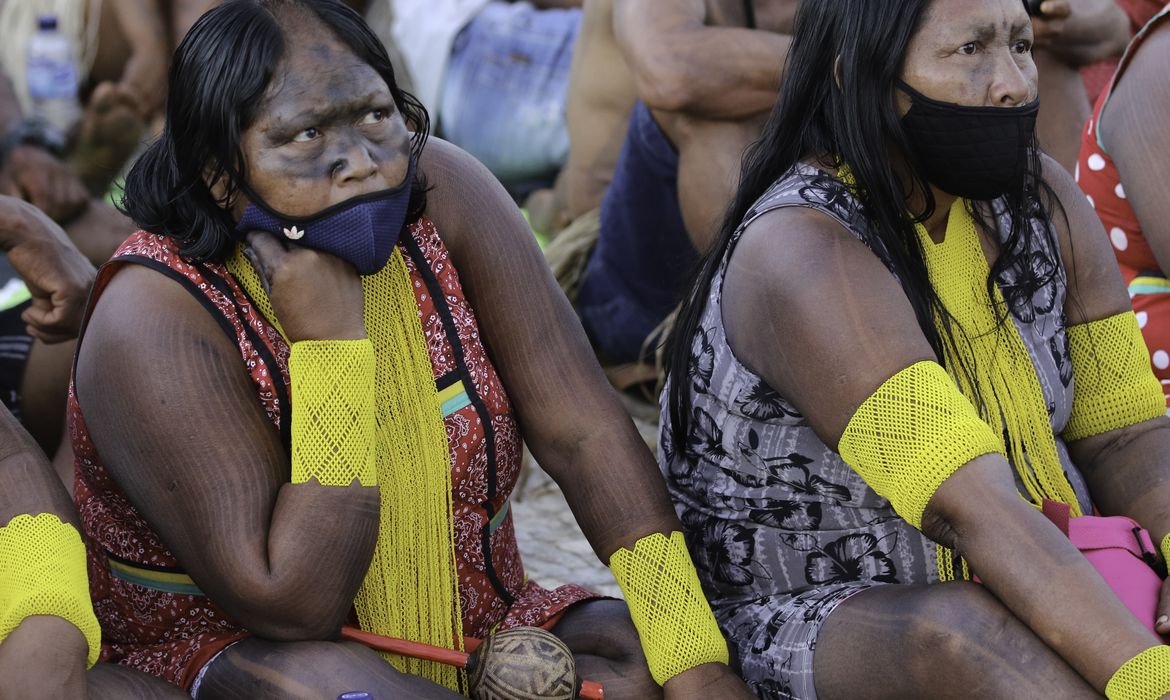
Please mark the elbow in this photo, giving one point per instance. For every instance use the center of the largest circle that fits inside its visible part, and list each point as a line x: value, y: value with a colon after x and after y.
x: 664, y: 84
x: 281, y: 613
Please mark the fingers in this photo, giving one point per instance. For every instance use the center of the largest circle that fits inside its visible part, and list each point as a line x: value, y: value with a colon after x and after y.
x: 1162, y: 617
x: 1056, y: 9
x: 53, y: 325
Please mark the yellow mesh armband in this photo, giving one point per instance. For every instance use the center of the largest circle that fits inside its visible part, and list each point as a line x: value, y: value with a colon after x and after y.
x: 42, y: 572
x: 333, y: 426
x: 1165, y: 547
x: 911, y: 434
x: 674, y: 621
x: 1144, y: 677
x: 1113, y: 385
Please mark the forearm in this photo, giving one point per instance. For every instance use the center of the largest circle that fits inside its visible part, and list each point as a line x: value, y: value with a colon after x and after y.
x: 612, y: 485
x: 324, y: 522
x: 28, y: 484
x: 1128, y: 473
x: 710, y: 72
x: 1037, y: 573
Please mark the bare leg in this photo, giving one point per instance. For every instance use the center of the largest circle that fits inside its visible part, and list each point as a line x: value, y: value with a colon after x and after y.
x: 1064, y: 109
x: 99, y: 230
x: 255, y: 669
x: 110, y: 132
x: 107, y: 681
x: 941, y: 641
x: 709, y: 157
x: 605, y: 645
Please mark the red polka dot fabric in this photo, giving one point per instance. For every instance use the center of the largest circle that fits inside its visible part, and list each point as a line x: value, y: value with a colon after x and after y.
x: 1099, y: 179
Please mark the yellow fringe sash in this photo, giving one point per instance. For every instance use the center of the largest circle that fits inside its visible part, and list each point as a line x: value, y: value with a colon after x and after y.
x: 1009, y: 392
x: 411, y: 588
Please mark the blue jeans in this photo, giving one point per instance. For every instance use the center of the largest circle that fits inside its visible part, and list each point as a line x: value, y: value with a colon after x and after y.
x: 503, y: 96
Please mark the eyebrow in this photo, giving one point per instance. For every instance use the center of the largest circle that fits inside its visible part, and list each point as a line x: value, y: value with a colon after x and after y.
x: 328, y: 111
x: 988, y: 32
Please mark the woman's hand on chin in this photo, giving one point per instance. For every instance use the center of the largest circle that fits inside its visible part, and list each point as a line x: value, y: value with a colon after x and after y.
x: 316, y: 296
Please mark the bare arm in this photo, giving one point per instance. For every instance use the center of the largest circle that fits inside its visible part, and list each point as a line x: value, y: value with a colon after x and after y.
x: 1128, y: 470
x: 681, y: 65
x: 57, y: 275
x: 817, y: 314
x: 179, y: 426
x: 570, y: 417
x: 44, y: 653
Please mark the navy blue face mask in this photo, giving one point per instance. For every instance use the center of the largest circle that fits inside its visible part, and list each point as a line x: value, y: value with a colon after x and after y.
x: 973, y: 152
x: 362, y: 230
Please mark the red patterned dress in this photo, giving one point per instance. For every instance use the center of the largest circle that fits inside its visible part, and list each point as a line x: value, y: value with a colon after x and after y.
x: 154, y: 618
x: 1098, y: 177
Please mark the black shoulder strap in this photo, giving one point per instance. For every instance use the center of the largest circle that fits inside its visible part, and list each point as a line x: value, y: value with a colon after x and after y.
x: 749, y: 11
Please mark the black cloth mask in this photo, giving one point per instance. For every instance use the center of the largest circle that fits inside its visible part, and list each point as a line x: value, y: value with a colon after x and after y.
x: 972, y: 152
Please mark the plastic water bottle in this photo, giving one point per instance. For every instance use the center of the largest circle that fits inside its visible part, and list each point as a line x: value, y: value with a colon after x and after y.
x: 52, y: 76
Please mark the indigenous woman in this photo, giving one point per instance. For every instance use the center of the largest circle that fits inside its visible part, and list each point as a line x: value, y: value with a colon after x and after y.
x: 48, y: 633
x: 910, y: 334
x: 1122, y: 170
x: 300, y: 397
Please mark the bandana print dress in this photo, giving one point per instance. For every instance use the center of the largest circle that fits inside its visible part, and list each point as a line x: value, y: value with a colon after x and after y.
x: 154, y: 618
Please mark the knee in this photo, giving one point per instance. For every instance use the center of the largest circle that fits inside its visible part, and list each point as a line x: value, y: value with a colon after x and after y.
x: 954, y: 622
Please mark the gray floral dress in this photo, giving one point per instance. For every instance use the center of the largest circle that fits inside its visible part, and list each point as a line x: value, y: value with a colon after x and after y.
x: 780, y: 528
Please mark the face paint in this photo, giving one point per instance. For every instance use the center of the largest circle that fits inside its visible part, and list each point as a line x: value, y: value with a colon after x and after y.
x: 362, y: 230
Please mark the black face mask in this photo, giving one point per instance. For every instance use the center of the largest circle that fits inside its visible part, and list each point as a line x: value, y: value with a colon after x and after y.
x: 972, y: 152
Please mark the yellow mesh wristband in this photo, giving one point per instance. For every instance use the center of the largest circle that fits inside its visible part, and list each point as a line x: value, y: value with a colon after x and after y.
x: 42, y: 572
x: 333, y: 425
x: 674, y: 621
x: 911, y: 434
x: 1144, y: 677
x: 1165, y: 547
x: 1113, y: 385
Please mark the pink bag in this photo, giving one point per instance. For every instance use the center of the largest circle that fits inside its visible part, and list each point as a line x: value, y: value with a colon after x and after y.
x: 1122, y: 552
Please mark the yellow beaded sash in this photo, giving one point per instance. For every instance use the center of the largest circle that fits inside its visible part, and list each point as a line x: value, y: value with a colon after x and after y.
x: 1009, y: 392
x: 411, y: 588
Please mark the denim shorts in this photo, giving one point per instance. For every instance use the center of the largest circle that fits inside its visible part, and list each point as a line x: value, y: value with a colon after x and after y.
x: 503, y: 95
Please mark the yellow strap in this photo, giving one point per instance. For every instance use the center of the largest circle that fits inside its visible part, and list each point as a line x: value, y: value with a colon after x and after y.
x: 1009, y: 392
x: 1113, y: 385
x: 333, y: 429
x: 1144, y: 677
x: 911, y: 434
x: 411, y: 588
x: 676, y: 626
x: 42, y: 572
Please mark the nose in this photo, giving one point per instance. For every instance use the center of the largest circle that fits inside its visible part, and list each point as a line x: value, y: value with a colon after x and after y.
x: 1013, y: 84
x: 355, y: 164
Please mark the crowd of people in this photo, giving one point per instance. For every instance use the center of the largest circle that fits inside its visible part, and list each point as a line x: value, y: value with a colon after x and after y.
x: 276, y: 328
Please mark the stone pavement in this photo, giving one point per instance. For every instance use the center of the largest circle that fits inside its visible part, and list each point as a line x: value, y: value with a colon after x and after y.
x: 553, y: 548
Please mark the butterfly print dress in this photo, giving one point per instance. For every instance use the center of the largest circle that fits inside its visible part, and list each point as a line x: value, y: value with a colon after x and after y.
x: 780, y: 528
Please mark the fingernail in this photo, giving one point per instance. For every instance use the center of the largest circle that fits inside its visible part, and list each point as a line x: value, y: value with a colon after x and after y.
x: 1161, y: 621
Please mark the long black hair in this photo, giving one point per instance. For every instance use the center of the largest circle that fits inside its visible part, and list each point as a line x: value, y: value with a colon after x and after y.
x: 217, y: 80
x: 837, y: 103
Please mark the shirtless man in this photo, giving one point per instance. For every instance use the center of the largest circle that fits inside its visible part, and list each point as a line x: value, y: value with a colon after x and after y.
x: 702, y: 77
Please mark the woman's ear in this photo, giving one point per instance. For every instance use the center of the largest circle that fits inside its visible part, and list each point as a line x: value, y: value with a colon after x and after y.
x: 228, y: 197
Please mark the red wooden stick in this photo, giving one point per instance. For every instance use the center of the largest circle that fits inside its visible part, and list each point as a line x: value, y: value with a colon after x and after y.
x: 590, y: 690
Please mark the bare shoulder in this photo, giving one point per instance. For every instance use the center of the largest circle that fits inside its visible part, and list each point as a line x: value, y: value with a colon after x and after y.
x: 1095, y: 287
x: 470, y: 208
